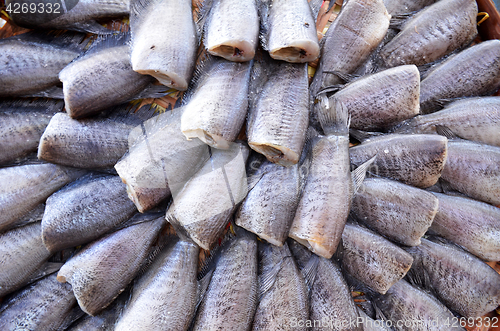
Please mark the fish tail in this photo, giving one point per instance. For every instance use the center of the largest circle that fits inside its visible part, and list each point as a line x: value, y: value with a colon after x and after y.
x: 334, y: 120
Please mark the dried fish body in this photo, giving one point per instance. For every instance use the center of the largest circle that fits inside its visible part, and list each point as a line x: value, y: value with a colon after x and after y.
x: 160, y: 160
x: 102, y: 270
x: 87, y: 143
x: 397, y: 211
x: 474, y: 169
x: 370, y: 324
x: 45, y: 305
x: 84, y: 211
x: 269, y: 208
x: 433, y: 33
x: 472, y: 72
x: 231, y: 298
x: 355, y: 33
x: 101, y: 78
x: 232, y: 32
x: 463, y: 282
x: 25, y: 187
x: 379, y: 101
x: 164, y: 40
x: 23, y: 123
x: 206, y: 202
x: 102, y: 322
x: 289, y: 30
x: 164, y: 298
x: 372, y: 259
x: 78, y: 15
x: 284, y: 298
x: 398, y: 7
x: 218, y: 104
x: 278, y: 118
x: 471, y: 224
x: 411, y: 309
x: 416, y: 160
x: 22, y: 254
x: 30, y: 65
x: 476, y: 119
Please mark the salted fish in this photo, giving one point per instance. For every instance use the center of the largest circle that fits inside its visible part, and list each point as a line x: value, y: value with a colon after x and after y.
x: 398, y: 7
x: 85, y: 210
x: 164, y: 298
x: 397, y: 211
x: 164, y: 40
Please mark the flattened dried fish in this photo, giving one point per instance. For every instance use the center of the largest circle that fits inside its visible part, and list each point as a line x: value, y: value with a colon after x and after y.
x: 472, y: 72
x: 464, y: 283
x: 102, y: 270
x: 232, y: 31
x: 218, y: 102
x: 373, y: 260
x: 416, y: 160
x: 471, y: 224
x: 433, y: 33
x: 164, y: 40
x: 84, y: 211
x: 164, y: 298
x: 397, y: 211
x: 25, y: 187
x: 289, y: 30
x: 474, y: 169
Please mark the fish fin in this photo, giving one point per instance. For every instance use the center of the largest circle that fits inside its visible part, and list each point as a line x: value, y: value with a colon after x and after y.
x: 51, y: 106
x: 35, y: 215
x: 90, y: 26
x: 359, y: 174
x: 330, y: 89
x: 203, y: 284
x: 102, y: 42
x: 445, y: 131
x: 310, y: 270
x: 201, y: 72
x: 315, y: 6
x: 397, y: 21
x: 138, y: 9
x: 330, y: 5
x: 138, y: 218
x: 379, y: 314
x: 53, y: 92
x: 153, y: 91
x: 75, y: 314
x: 254, y: 180
x: 263, y: 8
x: 48, y: 268
x: 75, y: 41
x: 259, y: 75
x: 267, y: 279
x: 312, y: 137
x: 344, y: 76
x: 363, y: 135
x: 334, y: 120
x: 202, y: 17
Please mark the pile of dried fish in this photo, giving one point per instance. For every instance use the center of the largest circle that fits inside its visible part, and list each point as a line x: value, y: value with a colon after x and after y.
x: 381, y: 176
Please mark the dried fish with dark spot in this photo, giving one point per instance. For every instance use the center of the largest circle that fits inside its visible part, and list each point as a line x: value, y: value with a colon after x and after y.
x: 397, y: 211
x: 85, y: 210
x: 164, y: 298
x: 463, y: 282
x: 372, y: 259
x: 433, y: 33
x: 164, y: 40
x: 472, y: 72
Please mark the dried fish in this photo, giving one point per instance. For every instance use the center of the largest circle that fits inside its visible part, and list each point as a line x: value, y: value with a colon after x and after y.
x: 398, y: 7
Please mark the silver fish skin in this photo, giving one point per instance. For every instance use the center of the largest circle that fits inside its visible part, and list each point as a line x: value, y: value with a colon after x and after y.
x: 164, y: 298
x: 99, y: 80
x: 416, y: 160
x: 433, y: 33
x: 101, y: 143
x: 372, y: 259
x: 23, y: 124
x: 218, y: 104
x: 278, y: 118
x: 22, y: 253
x: 232, y: 32
x: 25, y: 187
x: 102, y: 270
x: 463, y: 282
x: 474, y: 169
x: 84, y: 211
x: 398, y: 7
x: 284, y: 298
x: 43, y: 305
x: 476, y: 119
x: 31, y: 66
x: 289, y: 30
x: 232, y: 296
x: 355, y: 33
x: 469, y: 223
x: 74, y: 15
x: 474, y: 71
x: 206, y: 202
x: 160, y: 160
x: 381, y: 100
x: 171, y: 59
x: 397, y: 211
x: 271, y: 221
x: 420, y: 310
